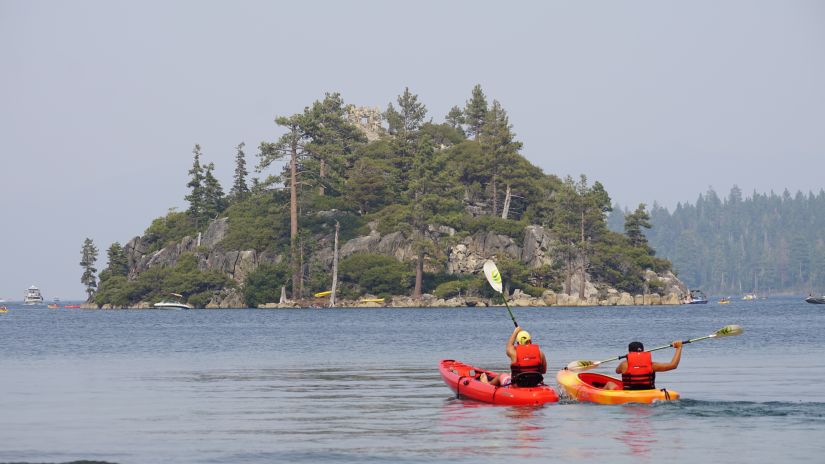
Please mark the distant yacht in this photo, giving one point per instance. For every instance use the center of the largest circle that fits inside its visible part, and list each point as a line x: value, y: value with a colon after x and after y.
x: 33, y: 296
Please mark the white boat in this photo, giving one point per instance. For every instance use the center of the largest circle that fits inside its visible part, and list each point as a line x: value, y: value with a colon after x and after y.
x: 173, y: 304
x: 33, y: 296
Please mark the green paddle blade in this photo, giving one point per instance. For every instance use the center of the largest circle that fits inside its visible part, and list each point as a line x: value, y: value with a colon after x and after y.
x: 582, y: 365
x: 493, y: 276
x: 729, y: 331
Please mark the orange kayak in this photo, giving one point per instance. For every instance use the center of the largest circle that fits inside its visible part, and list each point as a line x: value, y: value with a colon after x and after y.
x: 463, y: 380
x: 589, y: 386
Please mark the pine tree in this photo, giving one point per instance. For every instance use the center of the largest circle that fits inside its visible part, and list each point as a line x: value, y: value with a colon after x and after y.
x: 633, y: 225
x: 239, y: 189
x: 405, y: 121
x: 118, y: 262
x: 332, y: 140
x: 213, y: 198
x: 196, y: 195
x: 500, y: 149
x: 455, y: 118
x: 475, y: 112
x: 293, y: 145
x: 88, y: 258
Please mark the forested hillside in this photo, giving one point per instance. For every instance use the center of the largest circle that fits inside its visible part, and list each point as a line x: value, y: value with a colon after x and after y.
x: 764, y: 243
x: 396, y: 171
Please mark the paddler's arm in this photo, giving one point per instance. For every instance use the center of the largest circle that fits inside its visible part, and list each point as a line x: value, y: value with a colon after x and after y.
x: 674, y: 363
x: 543, y: 363
x: 621, y: 368
x: 511, y: 350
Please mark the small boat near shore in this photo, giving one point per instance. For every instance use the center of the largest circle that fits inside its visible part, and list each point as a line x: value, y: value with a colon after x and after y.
x: 815, y: 299
x: 176, y: 304
x: 590, y: 386
x: 697, y: 297
x: 464, y: 381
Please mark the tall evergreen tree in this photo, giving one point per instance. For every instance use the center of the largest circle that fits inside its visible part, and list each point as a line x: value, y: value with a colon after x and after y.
x: 87, y: 261
x: 404, y: 124
x: 429, y: 196
x: 293, y: 145
x: 331, y: 143
x: 407, y: 119
x: 455, y: 119
x: 196, y: 197
x: 500, y: 149
x: 213, y: 198
x: 633, y: 225
x: 475, y: 112
x: 239, y: 189
x: 118, y: 262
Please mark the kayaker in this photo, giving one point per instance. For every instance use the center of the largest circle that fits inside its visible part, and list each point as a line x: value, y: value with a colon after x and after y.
x: 527, y: 361
x: 639, y: 371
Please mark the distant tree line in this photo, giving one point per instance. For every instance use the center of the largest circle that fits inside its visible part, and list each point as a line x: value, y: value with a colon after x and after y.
x: 764, y: 243
x: 465, y: 172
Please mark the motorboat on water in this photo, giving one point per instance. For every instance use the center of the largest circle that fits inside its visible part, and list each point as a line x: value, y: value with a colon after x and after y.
x: 815, y: 299
x: 176, y: 304
x: 33, y: 296
x: 697, y: 297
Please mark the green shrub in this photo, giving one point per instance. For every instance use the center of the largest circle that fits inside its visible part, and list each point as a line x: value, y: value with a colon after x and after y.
x: 535, y: 292
x: 169, y: 229
x: 376, y: 274
x: 155, y: 284
x: 655, y: 285
x: 263, y: 285
x: 260, y: 222
x: 451, y: 289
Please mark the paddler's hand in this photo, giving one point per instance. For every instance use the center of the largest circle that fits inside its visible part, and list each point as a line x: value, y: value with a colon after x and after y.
x: 677, y: 344
x: 517, y: 330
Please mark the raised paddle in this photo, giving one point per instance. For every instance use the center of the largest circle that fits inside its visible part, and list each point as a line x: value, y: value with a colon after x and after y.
x: 494, y: 278
x: 726, y: 331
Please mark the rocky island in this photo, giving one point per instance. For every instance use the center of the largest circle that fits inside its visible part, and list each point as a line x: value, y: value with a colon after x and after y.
x: 401, y: 214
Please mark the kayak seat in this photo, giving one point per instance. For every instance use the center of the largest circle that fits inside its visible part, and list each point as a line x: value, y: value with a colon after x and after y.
x: 527, y: 379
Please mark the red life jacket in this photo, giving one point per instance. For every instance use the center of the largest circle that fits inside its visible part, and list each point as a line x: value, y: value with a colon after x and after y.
x: 528, y: 359
x: 639, y: 374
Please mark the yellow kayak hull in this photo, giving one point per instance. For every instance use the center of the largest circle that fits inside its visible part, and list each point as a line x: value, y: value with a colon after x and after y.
x: 589, y: 386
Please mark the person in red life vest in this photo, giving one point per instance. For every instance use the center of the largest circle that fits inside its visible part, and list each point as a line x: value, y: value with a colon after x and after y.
x: 527, y: 362
x: 639, y: 371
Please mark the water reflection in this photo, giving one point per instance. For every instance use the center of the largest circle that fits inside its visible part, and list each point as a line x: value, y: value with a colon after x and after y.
x: 637, y: 433
x: 494, y: 430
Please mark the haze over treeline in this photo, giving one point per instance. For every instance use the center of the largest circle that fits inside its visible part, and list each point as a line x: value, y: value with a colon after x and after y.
x: 762, y: 243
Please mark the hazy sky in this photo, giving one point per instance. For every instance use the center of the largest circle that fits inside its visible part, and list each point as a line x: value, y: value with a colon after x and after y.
x: 102, y: 102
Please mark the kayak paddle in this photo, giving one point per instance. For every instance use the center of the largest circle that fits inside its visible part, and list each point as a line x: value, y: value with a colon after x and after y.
x: 494, y: 278
x: 726, y: 331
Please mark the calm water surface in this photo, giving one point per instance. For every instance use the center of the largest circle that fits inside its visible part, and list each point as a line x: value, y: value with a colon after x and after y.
x: 362, y: 385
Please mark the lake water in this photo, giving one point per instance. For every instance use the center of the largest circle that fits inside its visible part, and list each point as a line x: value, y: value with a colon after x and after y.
x: 362, y: 385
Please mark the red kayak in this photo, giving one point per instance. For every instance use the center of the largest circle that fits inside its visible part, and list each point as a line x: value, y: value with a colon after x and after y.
x: 463, y: 380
